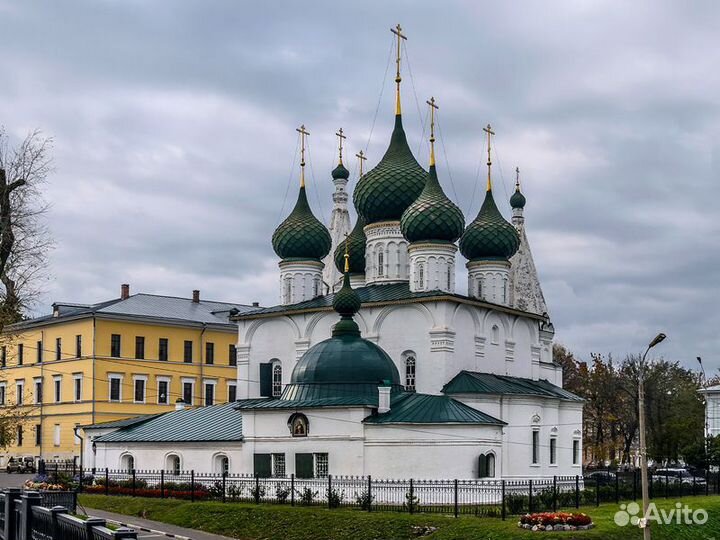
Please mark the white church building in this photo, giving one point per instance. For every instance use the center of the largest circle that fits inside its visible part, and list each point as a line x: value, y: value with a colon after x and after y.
x: 373, y: 364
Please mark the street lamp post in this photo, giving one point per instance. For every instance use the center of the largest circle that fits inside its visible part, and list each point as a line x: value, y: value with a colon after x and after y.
x: 707, y: 413
x: 643, y: 449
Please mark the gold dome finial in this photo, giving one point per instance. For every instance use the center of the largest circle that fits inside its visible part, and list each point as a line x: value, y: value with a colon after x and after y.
x: 361, y: 157
x: 490, y: 133
x: 303, y: 133
x: 433, y: 108
x: 340, y: 137
x: 347, y: 254
x: 398, y: 32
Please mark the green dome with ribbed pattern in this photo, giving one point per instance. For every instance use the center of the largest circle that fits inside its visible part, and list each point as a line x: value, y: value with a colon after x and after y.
x: 384, y: 192
x: 489, y: 236
x: 356, y: 248
x: 340, y: 172
x: 518, y: 199
x: 301, y: 236
x: 432, y: 216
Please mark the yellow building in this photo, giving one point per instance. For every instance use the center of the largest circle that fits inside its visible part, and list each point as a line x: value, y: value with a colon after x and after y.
x: 134, y: 355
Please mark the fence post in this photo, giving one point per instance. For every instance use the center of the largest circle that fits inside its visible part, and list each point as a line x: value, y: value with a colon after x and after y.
x: 292, y: 489
x: 107, y: 481
x: 93, y: 522
x: 257, y: 489
x: 456, y: 498
x: 667, y: 482
x: 224, y: 485
x: 162, y: 483
x: 634, y: 484
x: 577, y: 491
x: 530, y: 494
x: 554, y: 493
x: 597, y: 490
x: 192, y: 485
x: 617, y: 488
x: 329, y: 492
x: 11, y: 495
x: 30, y: 499
x: 502, y: 495
x: 56, y: 533
x: 411, y: 499
x: 707, y: 482
x: 74, y: 468
x: 133, y: 482
x: 370, y: 497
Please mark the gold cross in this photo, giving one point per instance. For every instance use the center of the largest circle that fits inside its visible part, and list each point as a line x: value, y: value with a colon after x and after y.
x: 517, y: 178
x: 400, y: 36
x: 341, y: 137
x: 433, y: 108
x: 362, y: 158
x: 490, y: 133
x: 303, y: 133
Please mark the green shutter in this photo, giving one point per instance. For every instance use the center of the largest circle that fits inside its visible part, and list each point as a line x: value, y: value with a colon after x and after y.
x: 263, y: 465
x: 266, y: 380
x: 304, y: 465
x: 483, y: 466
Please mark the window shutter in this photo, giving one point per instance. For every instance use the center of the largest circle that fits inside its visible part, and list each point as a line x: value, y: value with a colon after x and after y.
x: 483, y: 466
x: 266, y: 380
x: 263, y: 467
x: 303, y: 465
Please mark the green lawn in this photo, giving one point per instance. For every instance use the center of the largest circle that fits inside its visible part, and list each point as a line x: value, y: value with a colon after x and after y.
x: 276, y: 522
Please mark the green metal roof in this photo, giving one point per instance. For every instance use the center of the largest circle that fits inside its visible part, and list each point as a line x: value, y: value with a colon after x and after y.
x: 203, y: 424
x: 356, y: 241
x: 489, y: 236
x: 518, y: 199
x: 121, y: 423
x: 301, y: 236
x: 471, y: 382
x: 411, y: 408
x: 269, y: 403
x: 385, y: 293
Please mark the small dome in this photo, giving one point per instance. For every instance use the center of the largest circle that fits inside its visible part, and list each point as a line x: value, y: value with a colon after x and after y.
x: 340, y: 172
x: 346, y: 365
x: 489, y: 236
x: 383, y: 193
x: 356, y: 248
x: 301, y: 235
x: 518, y: 199
x: 432, y: 217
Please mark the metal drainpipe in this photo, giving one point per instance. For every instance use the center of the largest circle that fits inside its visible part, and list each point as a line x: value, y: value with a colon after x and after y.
x: 202, y: 361
x: 93, y: 360
x: 42, y: 386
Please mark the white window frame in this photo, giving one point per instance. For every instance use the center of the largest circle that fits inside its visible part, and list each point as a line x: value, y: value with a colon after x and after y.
x: 20, y: 391
x: 77, y: 377
x: 173, y: 471
x: 576, y: 457
x: 36, y: 381
x: 184, y: 381
x: 167, y: 380
x: 410, y: 363
x: 535, y: 448
x: 57, y: 388
x: 318, y: 459
x: 56, y: 435
x: 421, y: 277
x: 552, y: 449
x: 206, y: 383
x: 136, y: 379
x: 279, y: 465
x: 3, y: 394
x: 231, y: 384
x: 276, y: 388
x: 119, y: 377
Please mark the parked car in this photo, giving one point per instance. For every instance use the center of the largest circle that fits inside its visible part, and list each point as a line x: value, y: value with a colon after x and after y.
x: 601, y: 477
x: 21, y: 465
x: 677, y: 476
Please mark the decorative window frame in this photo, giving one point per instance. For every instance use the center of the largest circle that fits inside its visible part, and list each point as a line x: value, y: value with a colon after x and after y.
x: 276, y: 388
x: 144, y: 379
x: 158, y: 380
x: 119, y: 377
x: 174, y: 471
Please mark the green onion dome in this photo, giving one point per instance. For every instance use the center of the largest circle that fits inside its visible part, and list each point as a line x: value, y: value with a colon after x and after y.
x: 383, y: 193
x: 518, y: 199
x: 489, y: 236
x: 346, y: 365
x: 340, y: 172
x: 301, y: 236
x: 432, y: 216
x: 356, y: 248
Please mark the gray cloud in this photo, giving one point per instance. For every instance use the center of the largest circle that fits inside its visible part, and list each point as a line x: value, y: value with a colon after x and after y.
x: 174, y: 127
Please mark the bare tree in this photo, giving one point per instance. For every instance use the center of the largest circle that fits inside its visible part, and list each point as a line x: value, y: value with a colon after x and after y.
x: 24, y: 236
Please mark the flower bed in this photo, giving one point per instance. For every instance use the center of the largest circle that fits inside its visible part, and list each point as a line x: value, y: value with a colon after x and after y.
x: 42, y: 482
x: 556, y: 521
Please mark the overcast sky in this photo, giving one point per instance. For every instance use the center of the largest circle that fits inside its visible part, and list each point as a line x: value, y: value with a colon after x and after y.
x: 174, y: 126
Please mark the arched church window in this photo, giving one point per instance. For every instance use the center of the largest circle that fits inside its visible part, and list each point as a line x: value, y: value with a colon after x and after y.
x: 221, y: 464
x: 299, y: 425
x: 127, y: 463
x: 479, y: 288
x: 421, y: 276
x: 317, y: 286
x: 172, y: 464
x: 410, y: 373
x: 487, y: 465
x: 276, y: 379
x: 381, y: 264
x: 449, y: 277
x: 287, y: 289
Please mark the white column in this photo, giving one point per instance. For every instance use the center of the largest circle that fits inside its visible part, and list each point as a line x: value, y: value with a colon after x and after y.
x: 386, y: 253
x: 432, y: 266
x: 300, y: 281
x: 488, y: 281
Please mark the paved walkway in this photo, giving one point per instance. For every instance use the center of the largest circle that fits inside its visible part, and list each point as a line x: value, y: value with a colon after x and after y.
x: 148, y: 529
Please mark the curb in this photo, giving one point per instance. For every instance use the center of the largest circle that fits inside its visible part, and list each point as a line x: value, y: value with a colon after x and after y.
x: 145, y: 529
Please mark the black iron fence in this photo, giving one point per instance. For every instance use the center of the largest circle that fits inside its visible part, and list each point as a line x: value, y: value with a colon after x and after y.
x: 481, y: 497
x: 24, y: 518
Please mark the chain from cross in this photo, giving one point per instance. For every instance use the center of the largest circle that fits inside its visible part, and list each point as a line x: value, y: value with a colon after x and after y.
x: 340, y: 137
x: 361, y: 157
x: 303, y: 133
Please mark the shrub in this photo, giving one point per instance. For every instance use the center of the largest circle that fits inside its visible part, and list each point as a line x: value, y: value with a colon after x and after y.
x: 234, y: 491
x: 411, y: 501
x: 335, y: 497
x: 282, y: 493
x: 307, y: 496
x: 364, y: 500
x: 257, y: 492
x: 516, y: 504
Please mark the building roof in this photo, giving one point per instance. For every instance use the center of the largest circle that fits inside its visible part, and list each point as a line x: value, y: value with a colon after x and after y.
x: 471, y: 382
x: 146, y: 306
x: 125, y: 422
x: 410, y: 408
x: 489, y: 236
x: 301, y: 236
x: 709, y: 389
x: 203, y: 424
x: 270, y: 403
x: 379, y: 294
